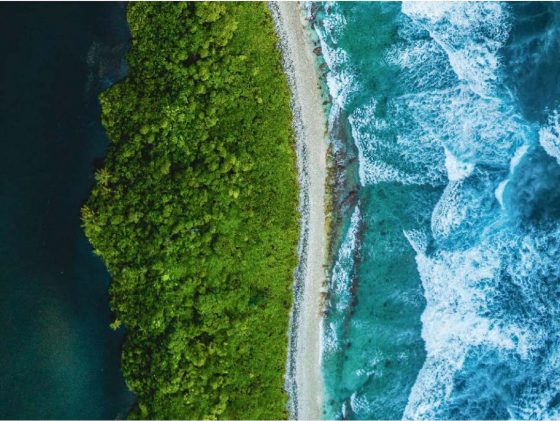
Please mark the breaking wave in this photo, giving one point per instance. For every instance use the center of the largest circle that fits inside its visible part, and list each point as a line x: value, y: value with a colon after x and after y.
x: 446, y: 116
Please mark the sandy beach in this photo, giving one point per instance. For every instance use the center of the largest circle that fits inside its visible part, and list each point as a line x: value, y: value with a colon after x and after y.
x: 304, y: 379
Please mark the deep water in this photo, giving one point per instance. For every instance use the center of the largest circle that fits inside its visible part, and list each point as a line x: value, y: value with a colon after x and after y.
x: 445, y: 293
x: 59, y: 358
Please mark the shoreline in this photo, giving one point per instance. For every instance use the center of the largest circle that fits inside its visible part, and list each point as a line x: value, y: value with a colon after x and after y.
x: 303, y: 375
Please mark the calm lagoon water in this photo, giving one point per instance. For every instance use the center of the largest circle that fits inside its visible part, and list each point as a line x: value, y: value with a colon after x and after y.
x: 59, y: 358
x: 445, y: 292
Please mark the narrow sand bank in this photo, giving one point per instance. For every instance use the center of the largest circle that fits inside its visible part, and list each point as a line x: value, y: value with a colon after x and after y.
x: 304, y: 379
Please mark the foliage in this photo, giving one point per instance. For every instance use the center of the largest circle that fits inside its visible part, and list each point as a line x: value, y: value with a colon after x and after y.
x: 195, y: 211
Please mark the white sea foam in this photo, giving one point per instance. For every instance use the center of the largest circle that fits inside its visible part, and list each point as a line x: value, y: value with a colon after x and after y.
x: 472, y: 129
x: 403, y: 158
x: 515, y: 160
x: 499, y: 192
x: 341, y: 279
x: 476, y: 123
x: 330, y: 341
x: 375, y: 358
x: 469, y: 297
x: 457, y: 169
x: 464, y: 210
x: 417, y: 239
x: 358, y: 403
x: 423, y: 63
x: 340, y: 78
x: 440, y: 114
x: 470, y: 33
x: 448, y: 214
x: 457, y: 286
x: 517, y: 157
x: 549, y: 136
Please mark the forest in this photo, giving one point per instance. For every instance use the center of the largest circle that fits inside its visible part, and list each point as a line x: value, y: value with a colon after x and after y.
x: 194, y: 211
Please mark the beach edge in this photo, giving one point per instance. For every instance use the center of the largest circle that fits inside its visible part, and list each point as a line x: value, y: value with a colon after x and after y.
x: 303, y: 372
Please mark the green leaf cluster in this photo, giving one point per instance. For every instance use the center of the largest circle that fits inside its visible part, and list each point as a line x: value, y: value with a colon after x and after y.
x: 195, y: 211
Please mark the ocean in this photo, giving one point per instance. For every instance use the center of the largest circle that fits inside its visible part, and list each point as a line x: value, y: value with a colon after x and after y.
x: 59, y: 359
x: 444, y: 293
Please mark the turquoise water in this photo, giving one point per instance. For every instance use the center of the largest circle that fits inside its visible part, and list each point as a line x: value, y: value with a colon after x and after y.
x: 59, y: 358
x: 445, y: 291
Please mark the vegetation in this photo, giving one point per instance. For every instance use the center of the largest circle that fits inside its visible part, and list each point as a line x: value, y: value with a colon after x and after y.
x: 195, y: 211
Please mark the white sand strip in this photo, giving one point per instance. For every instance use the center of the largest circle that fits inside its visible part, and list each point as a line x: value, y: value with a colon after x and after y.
x: 304, y: 379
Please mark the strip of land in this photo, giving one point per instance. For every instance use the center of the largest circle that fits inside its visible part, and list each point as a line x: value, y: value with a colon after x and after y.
x: 304, y: 369
x: 195, y: 211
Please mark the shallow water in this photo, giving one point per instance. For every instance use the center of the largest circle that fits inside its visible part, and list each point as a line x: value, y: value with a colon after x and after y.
x: 59, y: 358
x: 444, y: 296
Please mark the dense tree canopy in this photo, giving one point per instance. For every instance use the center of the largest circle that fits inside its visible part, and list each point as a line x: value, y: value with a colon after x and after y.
x: 195, y: 211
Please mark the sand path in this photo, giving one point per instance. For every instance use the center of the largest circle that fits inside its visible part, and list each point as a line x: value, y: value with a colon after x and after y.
x: 304, y: 372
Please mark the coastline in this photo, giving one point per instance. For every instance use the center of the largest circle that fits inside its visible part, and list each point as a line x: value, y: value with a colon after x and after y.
x: 304, y: 377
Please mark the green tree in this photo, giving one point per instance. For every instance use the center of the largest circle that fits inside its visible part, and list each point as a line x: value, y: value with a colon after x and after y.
x: 195, y: 211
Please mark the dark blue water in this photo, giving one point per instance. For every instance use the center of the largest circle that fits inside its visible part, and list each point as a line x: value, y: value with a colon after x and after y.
x: 59, y: 358
x: 444, y: 297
